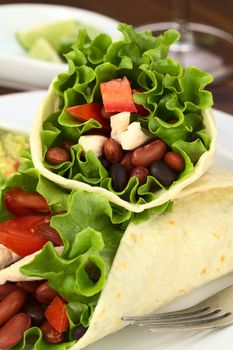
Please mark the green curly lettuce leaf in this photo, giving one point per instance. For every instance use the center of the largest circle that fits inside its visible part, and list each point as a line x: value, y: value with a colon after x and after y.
x: 39, y: 344
x: 173, y: 96
x: 89, y: 236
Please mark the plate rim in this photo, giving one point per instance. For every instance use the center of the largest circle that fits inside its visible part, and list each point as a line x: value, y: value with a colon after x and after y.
x: 42, y: 71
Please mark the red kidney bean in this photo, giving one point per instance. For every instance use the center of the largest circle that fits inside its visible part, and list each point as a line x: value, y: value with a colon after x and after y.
x: 175, y: 161
x: 46, y: 231
x: 113, y: 151
x: 35, y: 310
x: 12, y: 331
x: 119, y: 177
x: 57, y: 155
x: 6, y: 289
x: 92, y: 271
x: 146, y: 155
x: 30, y: 286
x: 67, y: 144
x: 126, y: 162
x: 44, y: 293
x: 162, y: 172
x: 11, y: 305
x: 141, y: 173
x: 50, y: 334
x: 79, y: 331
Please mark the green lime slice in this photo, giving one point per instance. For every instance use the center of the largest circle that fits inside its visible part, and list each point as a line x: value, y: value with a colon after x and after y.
x: 42, y: 50
x: 52, y: 32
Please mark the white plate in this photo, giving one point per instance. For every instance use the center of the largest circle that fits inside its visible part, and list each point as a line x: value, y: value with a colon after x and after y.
x: 17, y: 112
x: 19, y: 71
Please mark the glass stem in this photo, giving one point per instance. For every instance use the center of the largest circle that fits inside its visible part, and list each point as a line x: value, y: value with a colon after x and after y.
x: 181, y: 10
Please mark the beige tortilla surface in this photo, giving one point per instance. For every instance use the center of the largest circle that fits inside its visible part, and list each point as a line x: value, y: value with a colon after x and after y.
x: 165, y: 258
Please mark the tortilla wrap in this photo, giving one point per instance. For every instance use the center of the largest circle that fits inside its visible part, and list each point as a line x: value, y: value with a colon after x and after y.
x: 50, y: 105
x: 7, y: 257
x: 165, y: 257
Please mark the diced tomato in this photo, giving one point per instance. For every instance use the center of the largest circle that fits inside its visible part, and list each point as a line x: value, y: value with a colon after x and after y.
x: 117, y: 96
x: 20, y: 202
x: 56, y: 314
x: 19, y: 234
x: 140, y: 108
x: 89, y: 111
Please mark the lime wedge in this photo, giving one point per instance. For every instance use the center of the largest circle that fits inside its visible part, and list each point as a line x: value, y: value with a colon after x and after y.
x: 52, y: 32
x: 42, y: 50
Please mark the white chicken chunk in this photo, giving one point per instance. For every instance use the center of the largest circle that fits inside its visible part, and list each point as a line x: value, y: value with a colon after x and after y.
x: 93, y: 143
x: 133, y: 137
x: 119, y: 123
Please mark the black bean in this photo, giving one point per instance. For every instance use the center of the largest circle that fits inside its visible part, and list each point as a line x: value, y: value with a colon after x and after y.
x: 34, y: 309
x: 162, y: 172
x: 119, y: 177
x: 92, y: 271
x: 104, y: 162
x: 79, y: 331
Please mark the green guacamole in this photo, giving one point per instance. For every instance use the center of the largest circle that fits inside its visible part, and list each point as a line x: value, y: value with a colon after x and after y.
x: 12, y: 143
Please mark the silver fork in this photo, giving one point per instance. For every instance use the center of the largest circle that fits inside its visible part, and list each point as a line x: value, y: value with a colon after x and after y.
x: 214, y: 312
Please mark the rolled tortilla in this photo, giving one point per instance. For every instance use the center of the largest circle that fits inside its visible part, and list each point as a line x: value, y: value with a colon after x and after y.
x: 168, y: 91
x: 50, y: 105
x: 7, y: 257
x: 11, y: 273
x: 165, y: 257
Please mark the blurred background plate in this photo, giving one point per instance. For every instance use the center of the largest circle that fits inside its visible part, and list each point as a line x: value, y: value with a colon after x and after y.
x: 19, y: 71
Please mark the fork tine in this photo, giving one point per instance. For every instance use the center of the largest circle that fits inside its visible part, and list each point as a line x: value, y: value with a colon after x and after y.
x: 211, y: 322
x: 167, y: 315
x: 213, y: 312
x: 182, y: 318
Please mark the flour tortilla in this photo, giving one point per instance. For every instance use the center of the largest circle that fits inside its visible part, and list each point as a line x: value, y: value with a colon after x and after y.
x: 165, y: 257
x: 50, y: 105
x: 7, y: 257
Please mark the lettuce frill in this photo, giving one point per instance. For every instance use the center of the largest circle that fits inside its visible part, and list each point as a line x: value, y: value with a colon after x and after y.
x: 173, y: 96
